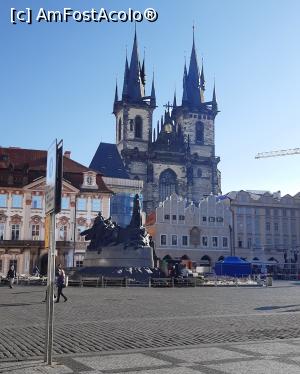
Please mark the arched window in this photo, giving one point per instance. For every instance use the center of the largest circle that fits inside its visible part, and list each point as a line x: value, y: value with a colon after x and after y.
x: 167, y: 184
x: 138, y: 128
x: 205, y: 260
x: 195, y: 236
x: 199, y: 132
x: 119, y: 130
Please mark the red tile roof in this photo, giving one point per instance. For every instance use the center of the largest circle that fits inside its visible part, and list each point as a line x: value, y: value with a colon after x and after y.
x: 19, y: 161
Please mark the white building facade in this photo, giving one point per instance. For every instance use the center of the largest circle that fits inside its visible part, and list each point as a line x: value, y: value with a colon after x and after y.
x: 201, y: 234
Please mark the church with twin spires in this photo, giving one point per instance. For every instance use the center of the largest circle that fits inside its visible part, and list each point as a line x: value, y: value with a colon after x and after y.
x: 175, y: 155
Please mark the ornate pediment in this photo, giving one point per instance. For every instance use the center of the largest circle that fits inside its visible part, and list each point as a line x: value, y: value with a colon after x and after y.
x: 15, y: 219
x: 36, y: 219
x: 3, y: 216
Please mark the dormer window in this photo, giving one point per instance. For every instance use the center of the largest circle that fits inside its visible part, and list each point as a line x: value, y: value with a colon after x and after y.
x: 89, y: 180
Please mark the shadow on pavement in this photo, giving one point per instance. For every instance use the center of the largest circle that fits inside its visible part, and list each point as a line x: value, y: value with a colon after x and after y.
x: 273, y: 307
x: 18, y: 304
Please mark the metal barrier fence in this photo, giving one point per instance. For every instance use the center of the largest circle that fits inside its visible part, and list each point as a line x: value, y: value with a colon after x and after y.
x: 151, y: 282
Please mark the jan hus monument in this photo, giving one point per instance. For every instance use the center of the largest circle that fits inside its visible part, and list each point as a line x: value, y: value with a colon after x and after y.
x: 114, y: 246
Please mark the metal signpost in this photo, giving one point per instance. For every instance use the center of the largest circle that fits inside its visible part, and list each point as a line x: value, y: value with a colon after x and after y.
x: 52, y: 206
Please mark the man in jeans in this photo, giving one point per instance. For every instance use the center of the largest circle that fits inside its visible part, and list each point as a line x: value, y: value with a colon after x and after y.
x: 11, y: 274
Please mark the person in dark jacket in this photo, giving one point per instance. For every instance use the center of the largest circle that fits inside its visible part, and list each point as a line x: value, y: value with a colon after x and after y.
x: 11, y: 274
x: 61, y: 283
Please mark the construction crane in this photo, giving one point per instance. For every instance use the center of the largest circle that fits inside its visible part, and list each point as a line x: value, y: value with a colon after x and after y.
x: 283, y: 152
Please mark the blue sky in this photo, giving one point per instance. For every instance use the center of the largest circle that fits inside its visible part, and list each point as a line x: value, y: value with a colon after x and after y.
x: 58, y: 80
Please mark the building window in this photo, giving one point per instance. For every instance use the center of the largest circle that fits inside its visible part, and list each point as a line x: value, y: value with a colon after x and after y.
x: 268, y: 226
x: 167, y: 184
x: 65, y: 202
x: 292, y: 213
x: 167, y: 216
x: 35, y: 232
x: 138, y: 129
x: 214, y: 241
x: 225, y: 242
x: 16, y: 201
x: 79, y: 263
x: 195, y: 236
x: 2, y: 229
x: 174, y: 218
x: 275, y: 226
x: 199, y: 173
x: 36, y: 202
x: 284, y: 212
x: 268, y: 212
x: 240, y: 242
x: 3, y: 200
x: 204, y: 219
x: 174, y: 239
x: 204, y: 241
x: 199, y: 132
x: 211, y: 219
x: 96, y: 205
x: 249, y: 243
x: 184, y: 240
x: 219, y: 219
x: 131, y: 125
x: 119, y: 130
x: 81, y: 204
x: 15, y: 232
x: 63, y: 233
x: 163, y: 240
x: 181, y: 217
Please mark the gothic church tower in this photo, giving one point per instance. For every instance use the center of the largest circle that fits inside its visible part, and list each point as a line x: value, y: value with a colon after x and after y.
x: 134, y: 116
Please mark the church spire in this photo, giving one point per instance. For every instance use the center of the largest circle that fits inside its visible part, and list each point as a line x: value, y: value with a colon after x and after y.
x: 126, y: 78
x: 153, y: 96
x: 116, y: 92
x: 214, y: 104
x: 192, y: 80
x: 135, y: 85
x: 202, y: 82
x: 174, y: 100
x: 184, y: 83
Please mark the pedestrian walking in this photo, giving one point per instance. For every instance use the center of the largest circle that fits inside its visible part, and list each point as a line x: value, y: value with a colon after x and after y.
x: 11, y: 274
x: 61, y: 283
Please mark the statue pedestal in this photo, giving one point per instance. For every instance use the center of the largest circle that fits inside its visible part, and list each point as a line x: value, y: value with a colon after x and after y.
x: 117, y: 256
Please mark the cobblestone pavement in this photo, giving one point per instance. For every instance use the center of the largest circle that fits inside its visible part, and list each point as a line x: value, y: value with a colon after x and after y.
x: 155, y: 321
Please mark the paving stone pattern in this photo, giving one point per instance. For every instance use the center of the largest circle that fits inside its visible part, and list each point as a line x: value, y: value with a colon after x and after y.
x: 112, y: 319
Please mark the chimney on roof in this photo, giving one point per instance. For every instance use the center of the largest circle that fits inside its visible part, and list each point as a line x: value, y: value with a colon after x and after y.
x: 67, y: 154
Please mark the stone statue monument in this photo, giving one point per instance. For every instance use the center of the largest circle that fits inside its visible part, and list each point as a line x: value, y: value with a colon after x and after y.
x: 114, y: 246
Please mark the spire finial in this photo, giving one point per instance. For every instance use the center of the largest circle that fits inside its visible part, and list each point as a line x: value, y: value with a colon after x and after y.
x: 116, y: 91
x: 193, y: 32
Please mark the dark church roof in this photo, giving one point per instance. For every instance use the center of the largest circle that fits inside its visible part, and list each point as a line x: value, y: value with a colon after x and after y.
x: 107, y: 161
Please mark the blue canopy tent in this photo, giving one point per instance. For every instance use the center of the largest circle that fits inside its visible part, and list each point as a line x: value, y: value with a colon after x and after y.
x: 233, y: 266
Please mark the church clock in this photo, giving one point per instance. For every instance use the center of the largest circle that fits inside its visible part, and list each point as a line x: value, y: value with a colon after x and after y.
x: 168, y: 128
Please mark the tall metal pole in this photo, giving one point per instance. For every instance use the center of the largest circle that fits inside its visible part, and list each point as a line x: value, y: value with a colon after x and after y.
x: 50, y: 294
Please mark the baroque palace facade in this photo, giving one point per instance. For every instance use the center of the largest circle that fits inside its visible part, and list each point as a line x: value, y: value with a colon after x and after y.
x: 178, y: 154
x: 22, y: 209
